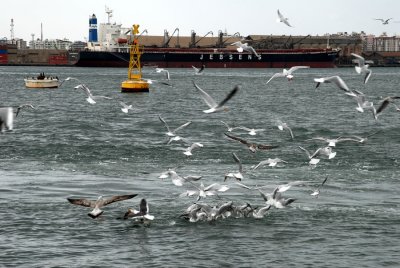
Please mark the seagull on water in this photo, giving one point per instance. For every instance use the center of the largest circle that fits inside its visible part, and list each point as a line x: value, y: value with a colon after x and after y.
x: 261, y: 212
x: 245, y: 47
x: 214, y: 107
x: 141, y: 214
x: 333, y: 79
x: 171, y: 133
x: 282, y: 126
x: 281, y: 18
x: 235, y: 175
x: 253, y: 147
x: 275, y: 199
x: 272, y: 162
x: 362, y: 67
x: 100, y: 202
x: 287, y: 73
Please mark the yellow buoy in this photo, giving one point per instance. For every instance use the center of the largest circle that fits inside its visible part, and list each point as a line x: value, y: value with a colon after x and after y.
x: 135, y: 83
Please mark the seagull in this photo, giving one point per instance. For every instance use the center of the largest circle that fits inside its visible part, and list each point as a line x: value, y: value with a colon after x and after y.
x: 125, y: 107
x: 261, y: 212
x: 332, y: 142
x: 362, y: 102
x: 287, y: 73
x: 363, y: 140
x: 272, y: 162
x: 251, y: 131
x: 362, y: 67
x: 332, y: 79
x: 214, y: 107
x: 283, y: 19
x: 100, y: 202
x: 159, y: 70
x: 142, y: 213
x: 322, y: 151
x: 284, y: 187
x: 188, y: 150
x: 23, y: 106
x: 275, y: 199
x: 245, y: 47
x: 386, y: 101
x: 171, y: 133
x: 90, y: 98
x: 176, y: 179
x: 177, y: 138
x: 316, y: 192
x: 282, y: 126
x: 236, y: 175
x: 203, y: 191
x: 384, y: 21
x: 230, y: 129
x: 253, y: 147
x: 6, y: 119
x: 200, y: 70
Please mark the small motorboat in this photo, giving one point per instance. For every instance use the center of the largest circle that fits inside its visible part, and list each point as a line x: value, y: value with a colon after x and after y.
x: 42, y: 81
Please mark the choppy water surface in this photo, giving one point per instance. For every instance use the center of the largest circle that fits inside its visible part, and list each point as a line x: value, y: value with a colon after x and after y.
x: 70, y: 148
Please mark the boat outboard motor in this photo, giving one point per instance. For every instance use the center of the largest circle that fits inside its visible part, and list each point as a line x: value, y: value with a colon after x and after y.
x: 6, y: 118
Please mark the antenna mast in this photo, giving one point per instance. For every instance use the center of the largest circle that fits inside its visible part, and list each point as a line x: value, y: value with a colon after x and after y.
x: 109, y: 14
x: 12, y: 29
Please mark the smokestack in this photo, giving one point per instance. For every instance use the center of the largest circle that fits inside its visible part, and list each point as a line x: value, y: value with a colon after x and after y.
x: 41, y: 32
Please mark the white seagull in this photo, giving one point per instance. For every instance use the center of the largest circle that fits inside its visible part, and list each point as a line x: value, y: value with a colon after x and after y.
x: 386, y: 101
x: 203, y: 191
x: 333, y: 79
x: 200, y: 70
x: 272, y: 162
x: 229, y: 128
x: 362, y: 102
x: 176, y: 179
x: 245, y: 47
x: 235, y: 175
x: 275, y: 199
x: 159, y: 70
x: 282, y: 126
x: 322, y: 151
x: 316, y: 192
x: 125, y: 107
x: 171, y: 133
x: 215, y: 107
x: 251, y: 131
x: 287, y: 73
x: 188, y: 150
x: 90, y: 97
x: 281, y: 18
x: 23, y: 106
x: 100, y: 202
x: 362, y: 67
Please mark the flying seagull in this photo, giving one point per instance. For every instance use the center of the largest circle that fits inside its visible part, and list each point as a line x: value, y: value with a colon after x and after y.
x: 245, y: 47
x: 100, y: 202
x: 362, y: 102
x: 200, y: 70
x: 384, y: 21
x: 159, y: 70
x: 386, y: 101
x: 214, y: 107
x: 333, y: 79
x: 287, y: 73
x: 23, y: 106
x: 362, y: 67
x: 316, y: 192
x: 281, y: 18
x: 171, y: 133
x: 253, y: 147
x: 282, y: 126
x: 188, y: 150
x: 236, y: 175
x: 326, y: 151
x: 272, y: 162
x: 90, y: 97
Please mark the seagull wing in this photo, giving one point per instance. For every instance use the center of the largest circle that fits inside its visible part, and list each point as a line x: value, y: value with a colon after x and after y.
x: 82, y: 202
x: 360, y: 59
x: 295, y: 68
x: 165, y: 123
x: 143, y: 207
x: 276, y: 75
x: 367, y: 75
x: 281, y: 17
x: 117, y: 198
x: 207, y: 98
x: 238, y: 139
x: 182, y: 126
x: 266, y: 147
x: 229, y: 96
x: 338, y: 81
x: 237, y: 160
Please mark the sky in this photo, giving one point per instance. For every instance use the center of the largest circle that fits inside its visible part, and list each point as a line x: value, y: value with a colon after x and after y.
x: 70, y: 19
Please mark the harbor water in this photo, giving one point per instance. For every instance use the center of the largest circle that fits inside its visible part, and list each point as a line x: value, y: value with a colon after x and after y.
x: 69, y: 148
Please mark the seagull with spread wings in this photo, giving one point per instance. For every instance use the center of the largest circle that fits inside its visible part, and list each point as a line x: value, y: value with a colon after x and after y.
x: 215, y: 107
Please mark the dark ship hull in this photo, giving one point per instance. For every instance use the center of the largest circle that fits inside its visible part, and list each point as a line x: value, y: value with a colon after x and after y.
x: 212, y: 58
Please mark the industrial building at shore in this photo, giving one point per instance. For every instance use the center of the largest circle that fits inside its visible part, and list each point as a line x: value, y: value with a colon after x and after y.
x: 380, y: 50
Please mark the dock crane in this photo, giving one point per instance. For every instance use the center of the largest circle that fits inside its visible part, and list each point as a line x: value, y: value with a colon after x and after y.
x: 166, y: 43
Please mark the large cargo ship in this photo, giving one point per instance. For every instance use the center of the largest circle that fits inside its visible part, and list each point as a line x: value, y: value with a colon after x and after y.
x: 108, y: 46
x: 212, y: 58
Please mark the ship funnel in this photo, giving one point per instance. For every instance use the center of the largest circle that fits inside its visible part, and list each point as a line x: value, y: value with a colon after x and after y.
x: 93, y: 28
